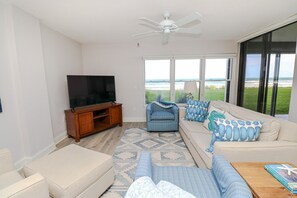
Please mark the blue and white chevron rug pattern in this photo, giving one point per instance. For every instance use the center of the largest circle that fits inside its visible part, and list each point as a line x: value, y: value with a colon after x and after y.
x: 167, y: 149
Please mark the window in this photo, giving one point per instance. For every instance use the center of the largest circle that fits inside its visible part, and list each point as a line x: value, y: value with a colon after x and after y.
x: 217, y: 79
x: 157, y: 80
x: 187, y: 73
x: 175, y: 79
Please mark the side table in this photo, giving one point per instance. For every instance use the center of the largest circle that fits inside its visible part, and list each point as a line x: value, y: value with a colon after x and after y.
x: 261, y: 182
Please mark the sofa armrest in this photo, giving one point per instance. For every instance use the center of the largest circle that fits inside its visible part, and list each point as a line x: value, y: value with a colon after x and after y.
x: 238, y: 189
x: 5, y: 161
x: 29, y: 187
x: 182, y: 112
x: 175, y: 111
x: 258, y: 151
x: 144, y: 166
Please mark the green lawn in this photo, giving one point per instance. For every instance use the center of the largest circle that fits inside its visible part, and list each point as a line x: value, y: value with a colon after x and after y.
x: 212, y: 93
x: 282, y: 104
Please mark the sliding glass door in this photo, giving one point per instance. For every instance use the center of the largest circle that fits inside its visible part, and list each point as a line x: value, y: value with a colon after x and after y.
x: 266, y: 71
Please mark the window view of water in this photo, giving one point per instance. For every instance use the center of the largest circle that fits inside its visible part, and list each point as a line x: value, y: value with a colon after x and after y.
x: 214, y: 90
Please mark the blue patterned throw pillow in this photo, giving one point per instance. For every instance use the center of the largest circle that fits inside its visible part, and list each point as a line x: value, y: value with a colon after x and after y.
x: 214, y: 115
x: 196, y: 110
x: 235, y: 131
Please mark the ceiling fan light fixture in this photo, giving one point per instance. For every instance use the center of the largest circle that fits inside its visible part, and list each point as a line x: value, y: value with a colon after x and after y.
x: 167, y: 31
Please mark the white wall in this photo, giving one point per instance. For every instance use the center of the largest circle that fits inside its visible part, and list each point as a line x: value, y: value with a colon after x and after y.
x: 125, y: 62
x: 62, y: 56
x: 11, y: 136
x: 25, y: 123
x: 31, y: 84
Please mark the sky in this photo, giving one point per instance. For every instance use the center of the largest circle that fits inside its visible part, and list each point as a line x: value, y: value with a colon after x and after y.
x: 286, y: 65
x: 185, y: 69
x: 189, y: 69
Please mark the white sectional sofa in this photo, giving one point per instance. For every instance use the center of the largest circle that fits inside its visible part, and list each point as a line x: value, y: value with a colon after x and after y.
x: 277, y: 141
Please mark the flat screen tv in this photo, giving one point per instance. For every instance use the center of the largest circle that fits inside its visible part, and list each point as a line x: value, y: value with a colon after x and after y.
x: 88, y: 90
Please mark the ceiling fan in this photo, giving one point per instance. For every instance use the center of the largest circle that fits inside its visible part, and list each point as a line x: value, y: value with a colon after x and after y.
x: 167, y: 26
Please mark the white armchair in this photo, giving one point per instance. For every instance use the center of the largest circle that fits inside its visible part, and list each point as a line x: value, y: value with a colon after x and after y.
x: 13, y: 185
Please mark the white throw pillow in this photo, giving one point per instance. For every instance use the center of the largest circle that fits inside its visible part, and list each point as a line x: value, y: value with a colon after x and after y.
x: 144, y: 187
x: 211, y: 108
x: 173, y: 190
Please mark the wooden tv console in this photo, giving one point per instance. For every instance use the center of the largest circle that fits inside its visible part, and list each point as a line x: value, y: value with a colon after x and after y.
x: 83, y: 121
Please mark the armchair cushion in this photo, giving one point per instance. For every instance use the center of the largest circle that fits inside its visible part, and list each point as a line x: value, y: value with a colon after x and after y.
x: 8, y: 178
x: 144, y: 166
x: 162, y: 115
x: 5, y: 161
x: 29, y: 187
x: 13, y: 185
x: 222, y: 181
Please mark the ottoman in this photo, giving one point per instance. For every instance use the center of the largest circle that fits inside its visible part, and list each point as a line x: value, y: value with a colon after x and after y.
x: 74, y: 171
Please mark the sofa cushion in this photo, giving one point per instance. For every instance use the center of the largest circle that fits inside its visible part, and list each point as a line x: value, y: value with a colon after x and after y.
x: 221, y: 105
x: 258, y: 151
x: 190, y: 126
x: 213, y: 114
x: 201, y: 143
x: 230, y: 117
x: 270, y: 128
x: 288, y: 131
x: 196, y: 110
x: 9, y: 178
x: 162, y: 115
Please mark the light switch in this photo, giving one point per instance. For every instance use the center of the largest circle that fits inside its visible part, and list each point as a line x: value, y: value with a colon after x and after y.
x: 0, y: 106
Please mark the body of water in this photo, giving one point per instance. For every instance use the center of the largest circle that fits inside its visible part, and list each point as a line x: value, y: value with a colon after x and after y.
x: 161, y: 85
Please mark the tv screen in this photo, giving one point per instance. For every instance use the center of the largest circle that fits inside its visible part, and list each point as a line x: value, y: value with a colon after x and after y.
x: 88, y: 90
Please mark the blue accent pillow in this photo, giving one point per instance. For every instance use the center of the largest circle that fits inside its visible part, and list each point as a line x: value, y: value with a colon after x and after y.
x: 196, y: 110
x: 235, y: 131
x: 214, y: 115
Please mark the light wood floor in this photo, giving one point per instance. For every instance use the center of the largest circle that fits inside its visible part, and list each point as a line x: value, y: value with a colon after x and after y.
x: 105, y: 141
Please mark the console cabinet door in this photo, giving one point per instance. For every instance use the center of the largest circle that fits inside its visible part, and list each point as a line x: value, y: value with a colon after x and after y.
x: 86, y: 123
x: 116, y: 115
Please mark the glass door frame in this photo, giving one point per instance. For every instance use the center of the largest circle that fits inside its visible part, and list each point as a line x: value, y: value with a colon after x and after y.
x: 263, y: 80
x: 266, y: 52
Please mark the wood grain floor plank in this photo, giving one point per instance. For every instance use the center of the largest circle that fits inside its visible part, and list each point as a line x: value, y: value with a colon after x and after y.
x: 105, y: 141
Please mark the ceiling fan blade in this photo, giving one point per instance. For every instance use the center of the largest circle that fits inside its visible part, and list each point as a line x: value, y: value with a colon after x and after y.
x: 145, y: 33
x: 188, y: 19
x: 189, y: 31
x: 165, y: 38
x: 150, y: 26
x: 149, y: 21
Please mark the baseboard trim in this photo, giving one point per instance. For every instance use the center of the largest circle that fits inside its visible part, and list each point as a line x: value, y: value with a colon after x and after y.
x: 60, y: 137
x: 19, y: 164
x: 136, y: 119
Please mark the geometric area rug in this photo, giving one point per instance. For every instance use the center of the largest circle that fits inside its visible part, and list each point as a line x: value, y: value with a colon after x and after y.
x: 167, y: 149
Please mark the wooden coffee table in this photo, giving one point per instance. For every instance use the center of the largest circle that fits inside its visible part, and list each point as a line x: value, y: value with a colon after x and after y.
x: 261, y: 182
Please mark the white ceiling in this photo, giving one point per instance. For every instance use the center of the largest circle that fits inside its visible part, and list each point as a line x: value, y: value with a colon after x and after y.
x: 110, y: 21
